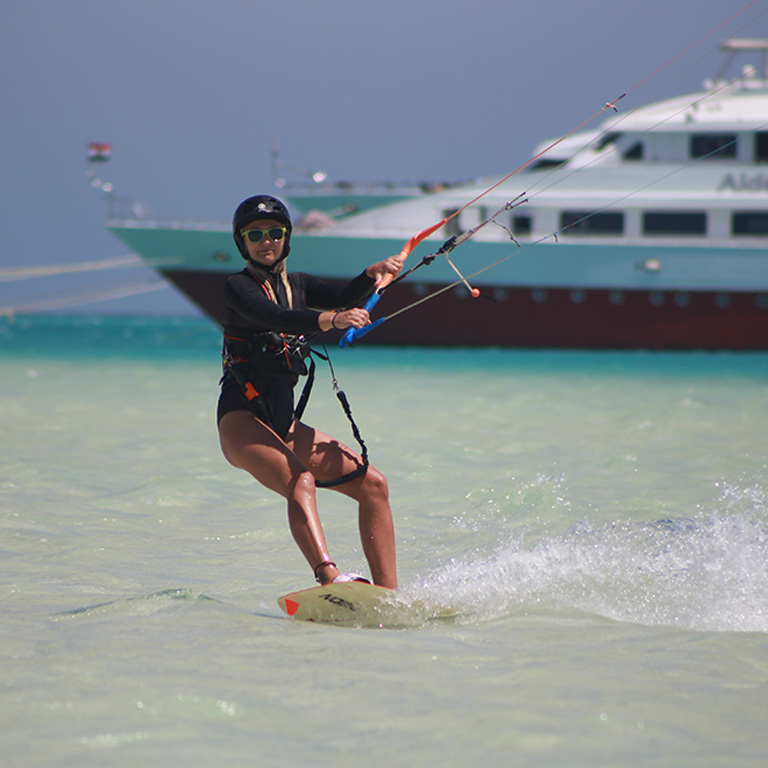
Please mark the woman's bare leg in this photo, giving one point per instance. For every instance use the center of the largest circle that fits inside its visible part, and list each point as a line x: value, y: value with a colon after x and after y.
x: 328, y: 459
x: 249, y: 444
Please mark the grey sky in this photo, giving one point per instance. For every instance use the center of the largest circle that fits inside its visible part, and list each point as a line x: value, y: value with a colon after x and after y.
x: 191, y: 95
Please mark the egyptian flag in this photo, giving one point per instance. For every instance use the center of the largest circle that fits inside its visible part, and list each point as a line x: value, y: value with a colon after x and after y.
x: 99, y: 153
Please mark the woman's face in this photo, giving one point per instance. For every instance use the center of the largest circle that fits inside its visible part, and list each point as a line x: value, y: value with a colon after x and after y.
x: 267, y: 251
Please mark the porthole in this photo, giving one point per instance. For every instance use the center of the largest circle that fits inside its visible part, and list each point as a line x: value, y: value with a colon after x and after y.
x: 616, y: 297
x: 539, y: 295
x: 762, y: 301
x: 461, y: 292
x: 578, y: 297
x: 683, y: 299
x: 656, y: 298
x: 723, y: 300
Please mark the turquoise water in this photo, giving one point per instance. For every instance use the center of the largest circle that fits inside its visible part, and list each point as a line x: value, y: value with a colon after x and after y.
x: 599, y: 520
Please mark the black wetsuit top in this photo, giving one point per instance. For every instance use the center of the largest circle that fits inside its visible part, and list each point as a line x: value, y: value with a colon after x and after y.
x: 266, y: 343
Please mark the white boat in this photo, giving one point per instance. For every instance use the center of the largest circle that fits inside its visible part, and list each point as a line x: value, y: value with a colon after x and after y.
x: 648, y: 232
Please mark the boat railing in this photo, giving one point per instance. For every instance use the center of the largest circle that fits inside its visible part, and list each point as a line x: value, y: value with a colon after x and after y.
x: 128, y: 213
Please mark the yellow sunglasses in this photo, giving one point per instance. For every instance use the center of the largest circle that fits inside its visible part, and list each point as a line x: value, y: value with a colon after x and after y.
x: 257, y: 235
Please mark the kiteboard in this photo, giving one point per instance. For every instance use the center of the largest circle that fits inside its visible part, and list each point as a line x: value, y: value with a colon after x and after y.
x: 358, y: 604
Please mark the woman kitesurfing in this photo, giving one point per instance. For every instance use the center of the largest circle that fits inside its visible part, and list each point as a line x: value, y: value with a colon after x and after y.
x: 269, y: 316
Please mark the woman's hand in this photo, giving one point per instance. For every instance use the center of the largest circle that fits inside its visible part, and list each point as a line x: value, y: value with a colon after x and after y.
x: 391, y: 266
x: 357, y: 317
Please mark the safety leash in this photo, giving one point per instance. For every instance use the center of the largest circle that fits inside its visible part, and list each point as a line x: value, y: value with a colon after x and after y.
x: 342, y: 398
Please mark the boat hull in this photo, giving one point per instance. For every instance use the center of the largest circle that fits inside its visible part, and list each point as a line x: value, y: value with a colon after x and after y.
x: 545, y: 317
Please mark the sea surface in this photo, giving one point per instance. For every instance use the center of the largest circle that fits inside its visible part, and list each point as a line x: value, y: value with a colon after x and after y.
x: 598, y: 519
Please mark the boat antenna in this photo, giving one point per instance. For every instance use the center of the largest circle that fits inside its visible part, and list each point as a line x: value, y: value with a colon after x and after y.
x: 98, y: 152
x: 279, y: 170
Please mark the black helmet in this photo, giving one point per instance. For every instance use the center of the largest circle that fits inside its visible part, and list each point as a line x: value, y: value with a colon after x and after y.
x: 260, y: 207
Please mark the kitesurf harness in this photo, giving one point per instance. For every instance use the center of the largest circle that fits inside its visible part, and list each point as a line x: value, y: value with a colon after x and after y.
x: 234, y: 367
x: 286, y: 356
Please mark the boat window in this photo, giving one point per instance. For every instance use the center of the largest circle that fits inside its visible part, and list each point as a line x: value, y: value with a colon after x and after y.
x: 609, y: 138
x: 635, y: 152
x: 545, y: 163
x: 761, y: 147
x: 591, y: 223
x: 452, y: 226
x: 678, y: 223
x: 719, y: 146
x: 521, y: 225
x: 754, y: 223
